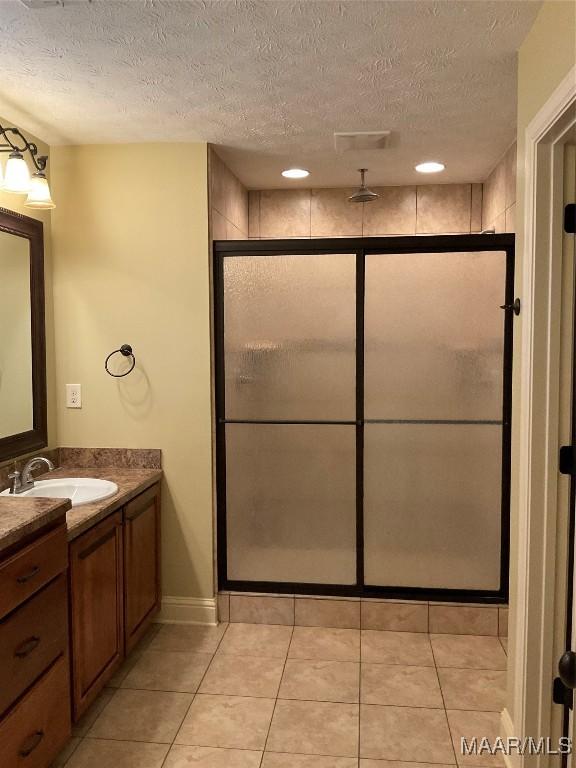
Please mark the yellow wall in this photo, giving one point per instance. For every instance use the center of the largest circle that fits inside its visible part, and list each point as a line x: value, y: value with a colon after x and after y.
x: 131, y: 265
x: 16, y: 203
x: 544, y: 60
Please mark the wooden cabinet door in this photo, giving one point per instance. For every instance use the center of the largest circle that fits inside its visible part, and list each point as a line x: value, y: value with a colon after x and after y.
x: 141, y: 563
x: 97, y: 616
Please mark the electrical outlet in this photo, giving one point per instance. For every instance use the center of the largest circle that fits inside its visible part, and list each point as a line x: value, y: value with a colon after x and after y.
x: 73, y: 396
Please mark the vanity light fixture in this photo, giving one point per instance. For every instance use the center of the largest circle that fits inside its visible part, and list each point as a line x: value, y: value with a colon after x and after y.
x: 430, y: 166
x: 295, y: 173
x: 17, y: 178
x: 39, y: 192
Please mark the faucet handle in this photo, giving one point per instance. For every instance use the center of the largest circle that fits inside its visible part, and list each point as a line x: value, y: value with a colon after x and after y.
x: 15, y: 483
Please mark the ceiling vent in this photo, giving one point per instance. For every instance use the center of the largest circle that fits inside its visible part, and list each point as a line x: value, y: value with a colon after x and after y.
x: 357, y: 140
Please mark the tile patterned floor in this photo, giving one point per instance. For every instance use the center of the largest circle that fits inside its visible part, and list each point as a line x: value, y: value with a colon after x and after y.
x: 273, y: 696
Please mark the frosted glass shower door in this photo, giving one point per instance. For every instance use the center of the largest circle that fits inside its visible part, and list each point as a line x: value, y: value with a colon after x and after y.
x: 434, y: 335
x: 290, y: 409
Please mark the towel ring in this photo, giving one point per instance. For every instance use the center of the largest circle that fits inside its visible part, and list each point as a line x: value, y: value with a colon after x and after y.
x: 126, y: 351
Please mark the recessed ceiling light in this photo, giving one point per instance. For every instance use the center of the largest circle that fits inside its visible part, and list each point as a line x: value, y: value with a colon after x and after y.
x: 295, y: 173
x: 430, y: 167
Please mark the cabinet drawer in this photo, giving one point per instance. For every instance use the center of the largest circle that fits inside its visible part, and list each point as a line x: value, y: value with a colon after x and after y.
x: 31, y: 638
x: 33, y: 733
x: 29, y: 570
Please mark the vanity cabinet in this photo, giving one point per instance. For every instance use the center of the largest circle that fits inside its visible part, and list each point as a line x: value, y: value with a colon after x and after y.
x: 115, y: 592
x: 96, y: 607
x: 34, y: 662
x: 141, y: 564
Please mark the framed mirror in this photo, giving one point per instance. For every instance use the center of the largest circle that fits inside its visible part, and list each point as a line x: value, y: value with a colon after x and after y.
x: 22, y: 335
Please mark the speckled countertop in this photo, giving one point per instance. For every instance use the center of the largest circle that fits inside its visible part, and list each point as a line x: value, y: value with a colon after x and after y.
x: 130, y: 483
x: 21, y: 516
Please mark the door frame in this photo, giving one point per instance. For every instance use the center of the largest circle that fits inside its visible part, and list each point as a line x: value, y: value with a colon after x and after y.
x: 539, y: 493
x: 362, y: 247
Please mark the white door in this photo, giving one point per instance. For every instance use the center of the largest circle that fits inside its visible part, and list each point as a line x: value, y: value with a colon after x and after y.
x: 566, y: 641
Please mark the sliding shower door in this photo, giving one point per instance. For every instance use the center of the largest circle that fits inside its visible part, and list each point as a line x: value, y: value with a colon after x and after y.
x: 434, y: 362
x: 363, y: 415
x: 290, y: 393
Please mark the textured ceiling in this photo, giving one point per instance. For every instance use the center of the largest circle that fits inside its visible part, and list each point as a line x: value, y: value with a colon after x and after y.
x: 270, y: 81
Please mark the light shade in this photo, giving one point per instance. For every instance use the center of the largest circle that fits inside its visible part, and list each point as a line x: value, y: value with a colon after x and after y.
x: 431, y: 166
x: 17, y: 178
x: 39, y: 193
x: 295, y: 173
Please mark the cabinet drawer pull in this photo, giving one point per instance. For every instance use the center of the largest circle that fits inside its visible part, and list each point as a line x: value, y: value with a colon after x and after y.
x: 31, y: 743
x: 97, y: 544
x: 26, y: 648
x: 34, y: 571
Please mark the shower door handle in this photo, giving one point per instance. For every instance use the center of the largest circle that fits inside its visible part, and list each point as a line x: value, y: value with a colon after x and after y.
x: 515, y: 307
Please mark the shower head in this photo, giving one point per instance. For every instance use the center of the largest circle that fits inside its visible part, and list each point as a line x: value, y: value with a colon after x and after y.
x: 363, y: 194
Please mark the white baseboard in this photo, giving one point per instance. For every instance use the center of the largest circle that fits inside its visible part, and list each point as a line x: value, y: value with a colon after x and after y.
x: 509, y: 732
x: 188, y: 610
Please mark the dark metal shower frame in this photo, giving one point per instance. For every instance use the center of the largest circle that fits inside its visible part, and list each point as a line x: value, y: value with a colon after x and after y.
x: 362, y: 247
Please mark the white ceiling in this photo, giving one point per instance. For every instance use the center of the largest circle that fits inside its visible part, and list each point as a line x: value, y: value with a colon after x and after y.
x: 269, y: 81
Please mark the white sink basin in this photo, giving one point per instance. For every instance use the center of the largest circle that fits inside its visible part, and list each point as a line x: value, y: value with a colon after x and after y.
x: 80, y: 490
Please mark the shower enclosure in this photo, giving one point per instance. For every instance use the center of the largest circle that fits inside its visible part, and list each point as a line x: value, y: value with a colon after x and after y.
x: 363, y: 415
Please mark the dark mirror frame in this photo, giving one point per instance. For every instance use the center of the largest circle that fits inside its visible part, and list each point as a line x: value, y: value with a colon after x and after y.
x: 37, y: 437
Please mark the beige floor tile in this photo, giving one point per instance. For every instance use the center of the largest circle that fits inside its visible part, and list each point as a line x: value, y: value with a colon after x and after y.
x: 476, y: 689
x: 321, y: 681
x: 187, y: 637
x: 406, y: 648
x: 66, y: 753
x: 401, y: 686
x: 243, y: 676
x: 121, y: 675
x: 475, y: 724
x: 405, y: 733
x: 168, y: 671
x: 231, y: 722
x: 98, y: 753
x: 468, y: 652
x: 88, y: 719
x: 325, y: 644
x: 212, y: 757
x: 132, y: 659
x: 261, y: 640
x: 142, y: 716
x: 277, y: 760
x: 314, y: 728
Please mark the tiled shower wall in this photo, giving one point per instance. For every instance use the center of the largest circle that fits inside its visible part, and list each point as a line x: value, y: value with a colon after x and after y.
x: 236, y: 214
x: 430, y: 209
x: 347, y: 613
x: 499, y: 201
x: 228, y: 200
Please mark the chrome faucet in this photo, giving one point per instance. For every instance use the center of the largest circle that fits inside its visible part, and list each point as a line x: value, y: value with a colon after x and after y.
x: 23, y: 481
